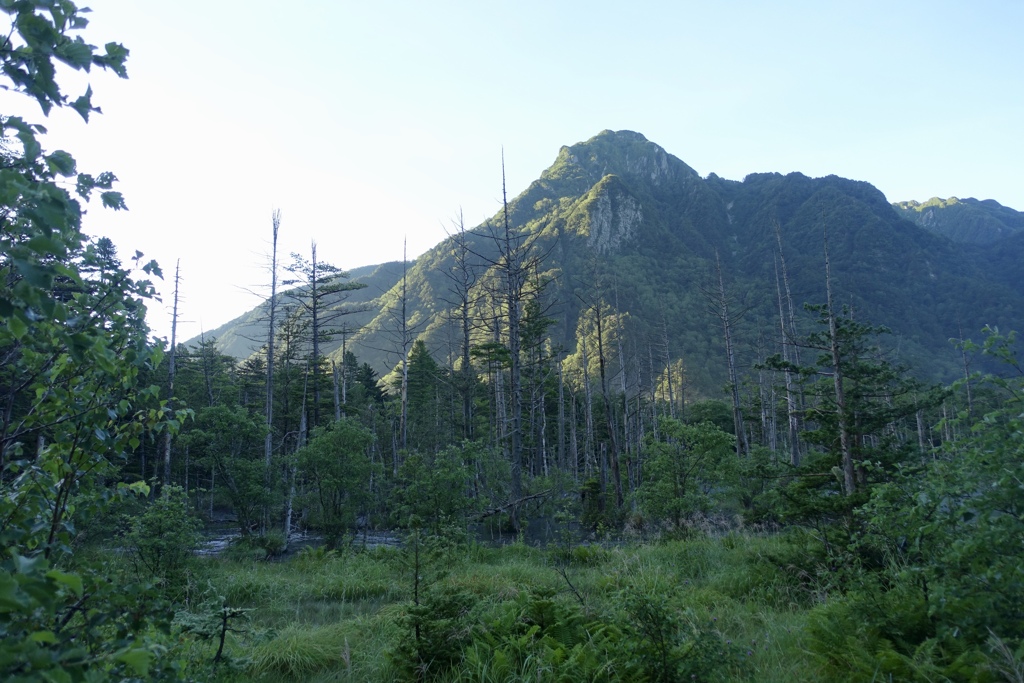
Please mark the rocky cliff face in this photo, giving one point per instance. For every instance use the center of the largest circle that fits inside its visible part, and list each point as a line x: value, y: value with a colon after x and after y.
x: 607, y: 216
x: 614, y: 219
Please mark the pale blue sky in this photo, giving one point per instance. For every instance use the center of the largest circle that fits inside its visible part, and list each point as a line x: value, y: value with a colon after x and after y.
x: 366, y: 122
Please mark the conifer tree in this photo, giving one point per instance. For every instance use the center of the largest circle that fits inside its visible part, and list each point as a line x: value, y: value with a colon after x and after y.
x: 321, y: 287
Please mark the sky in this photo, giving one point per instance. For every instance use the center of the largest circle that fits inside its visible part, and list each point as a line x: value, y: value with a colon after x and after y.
x: 370, y: 125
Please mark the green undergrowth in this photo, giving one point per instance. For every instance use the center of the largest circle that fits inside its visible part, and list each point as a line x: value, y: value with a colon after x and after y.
x: 713, y: 609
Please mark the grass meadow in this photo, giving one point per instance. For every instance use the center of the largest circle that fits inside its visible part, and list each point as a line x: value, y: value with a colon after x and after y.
x: 725, y: 608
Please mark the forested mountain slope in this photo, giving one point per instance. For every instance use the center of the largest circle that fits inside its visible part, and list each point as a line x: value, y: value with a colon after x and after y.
x: 616, y: 220
x: 969, y: 221
x: 246, y: 333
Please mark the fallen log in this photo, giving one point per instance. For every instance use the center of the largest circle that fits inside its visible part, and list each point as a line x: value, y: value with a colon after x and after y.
x: 490, y: 512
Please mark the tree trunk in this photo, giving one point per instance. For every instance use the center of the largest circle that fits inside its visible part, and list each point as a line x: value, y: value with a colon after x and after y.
x: 613, y: 454
x: 588, y: 442
x: 574, y: 451
x: 967, y: 370
x: 337, y: 392
x: 668, y: 371
x: 170, y: 373
x: 268, y: 440
x: 793, y: 423
x: 742, y: 446
x: 289, y: 505
x: 845, y: 447
x: 513, y: 301
x: 403, y: 422
x: 796, y: 398
x: 314, y: 321
x: 560, y: 450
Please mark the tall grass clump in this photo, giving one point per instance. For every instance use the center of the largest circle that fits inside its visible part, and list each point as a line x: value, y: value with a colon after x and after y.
x: 297, y: 653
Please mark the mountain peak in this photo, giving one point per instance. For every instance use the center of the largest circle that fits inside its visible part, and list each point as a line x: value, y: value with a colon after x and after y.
x: 620, y: 135
x: 623, y: 153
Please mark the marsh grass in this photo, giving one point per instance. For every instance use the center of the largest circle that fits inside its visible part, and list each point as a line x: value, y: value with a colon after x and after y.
x: 299, y: 651
x: 336, y: 616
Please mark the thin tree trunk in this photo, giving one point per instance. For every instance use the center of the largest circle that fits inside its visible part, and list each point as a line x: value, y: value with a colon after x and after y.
x: 766, y: 398
x: 170, y: 372
x: 500, y: 413
x: 303, y: 433
x: 574, y: 451
x: 588, y: 443
x: 613, y: 454
x: 845, y: 447
x: 292, y: 473
x: 337, y: 392
x: 268, y: 440
x: 543, y: 433
x: 967, y: 370
x: 464, y: 278
x: 315, y: 321
x: 639, y: 440
x: 561, y: 418
x: 793, y: 423
x: 344, y: 365
x: 404, y: 424
x: 513, y: 302
x: 791, y: 335
x: 625, y: 403
x: 654, y: 389
x: 668, y: 371
x: 742, y: 446
x: 920, y: 430
x: 791, y: 318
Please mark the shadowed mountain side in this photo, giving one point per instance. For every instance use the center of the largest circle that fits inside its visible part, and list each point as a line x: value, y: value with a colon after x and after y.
x: 1006, y: 261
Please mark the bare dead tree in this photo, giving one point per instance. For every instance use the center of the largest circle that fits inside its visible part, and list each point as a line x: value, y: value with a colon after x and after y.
x: 790, y: 351
x: 793, y: 422
x: 406, y: 339
x: 962, y: 345
x: 170, y: 371
x: 268, y: 443
x: 399, y: 334
x: 845, y: 447
x: 463, y: 276
x: 718, y: 305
